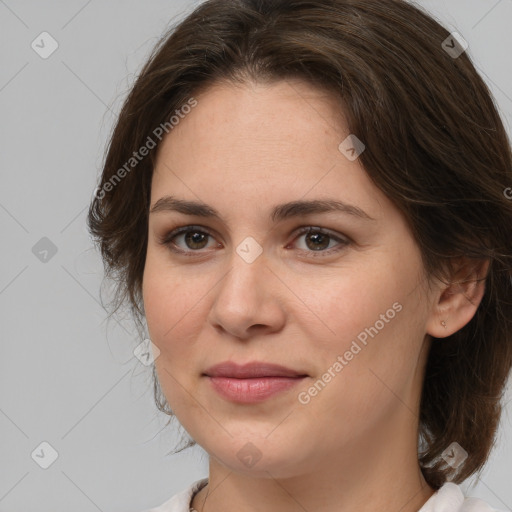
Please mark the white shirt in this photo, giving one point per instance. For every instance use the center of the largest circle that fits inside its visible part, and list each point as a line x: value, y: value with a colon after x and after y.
x: 449, y: 498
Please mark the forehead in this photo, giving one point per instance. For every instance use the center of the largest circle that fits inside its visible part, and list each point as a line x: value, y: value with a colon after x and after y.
x: 281, y: 110
x: 254, y: 127
x: 262, y: 143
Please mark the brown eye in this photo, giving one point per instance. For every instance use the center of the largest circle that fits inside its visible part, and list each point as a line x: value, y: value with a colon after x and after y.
x: 317, y: 240
x: 195, y: 239
x: 187, y: 239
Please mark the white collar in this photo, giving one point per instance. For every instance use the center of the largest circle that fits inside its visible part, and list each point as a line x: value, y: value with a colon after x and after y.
x: 449, y: 498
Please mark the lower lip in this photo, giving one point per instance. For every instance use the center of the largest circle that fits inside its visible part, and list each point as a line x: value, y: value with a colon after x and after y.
x: 252, y: 390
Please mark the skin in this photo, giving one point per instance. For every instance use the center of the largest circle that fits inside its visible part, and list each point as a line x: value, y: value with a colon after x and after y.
x: 242, y: 150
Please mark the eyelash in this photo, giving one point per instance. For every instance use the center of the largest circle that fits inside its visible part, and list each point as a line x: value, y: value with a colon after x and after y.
x: 166, y: 240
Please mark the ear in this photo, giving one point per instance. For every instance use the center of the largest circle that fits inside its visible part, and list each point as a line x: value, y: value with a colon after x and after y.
x: 456, y: 302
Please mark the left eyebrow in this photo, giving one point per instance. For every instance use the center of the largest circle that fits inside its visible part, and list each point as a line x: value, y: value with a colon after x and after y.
x: 300, y: 208
x: 279, y: 213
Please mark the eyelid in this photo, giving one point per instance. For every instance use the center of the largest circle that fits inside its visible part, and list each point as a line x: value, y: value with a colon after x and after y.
x: 317, y: 229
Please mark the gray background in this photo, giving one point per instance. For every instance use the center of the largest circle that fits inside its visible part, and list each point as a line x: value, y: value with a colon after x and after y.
x: 68, y: 377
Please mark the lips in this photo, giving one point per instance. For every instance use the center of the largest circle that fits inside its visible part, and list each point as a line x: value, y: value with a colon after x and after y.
x: 252, y: 370
x: 251, y: 382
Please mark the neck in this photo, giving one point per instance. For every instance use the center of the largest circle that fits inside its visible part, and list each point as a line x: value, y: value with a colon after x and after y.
x: 366, y: 476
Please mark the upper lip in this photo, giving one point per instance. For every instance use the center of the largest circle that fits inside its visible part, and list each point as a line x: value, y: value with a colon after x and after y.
x: 251, y: 370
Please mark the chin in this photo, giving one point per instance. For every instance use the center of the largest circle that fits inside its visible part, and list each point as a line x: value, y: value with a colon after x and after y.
x: 257, y: 455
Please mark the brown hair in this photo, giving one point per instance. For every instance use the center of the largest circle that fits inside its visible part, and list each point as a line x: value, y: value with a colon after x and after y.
x: 435, y: 145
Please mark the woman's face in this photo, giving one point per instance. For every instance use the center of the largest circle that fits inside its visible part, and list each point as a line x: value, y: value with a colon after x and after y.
x: 344, y: 307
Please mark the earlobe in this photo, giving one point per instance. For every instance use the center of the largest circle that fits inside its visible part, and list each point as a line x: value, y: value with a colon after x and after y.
x: 457, y: 302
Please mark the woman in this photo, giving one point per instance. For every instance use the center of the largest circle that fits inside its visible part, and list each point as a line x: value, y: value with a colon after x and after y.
x: 306, y: 202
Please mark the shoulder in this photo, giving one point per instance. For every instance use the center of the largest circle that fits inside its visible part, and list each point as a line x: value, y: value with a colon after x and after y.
x: 450, y: 498
x: 180, y: 502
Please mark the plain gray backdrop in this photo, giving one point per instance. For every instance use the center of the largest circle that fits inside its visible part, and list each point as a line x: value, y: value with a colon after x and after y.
x: 73, y: 397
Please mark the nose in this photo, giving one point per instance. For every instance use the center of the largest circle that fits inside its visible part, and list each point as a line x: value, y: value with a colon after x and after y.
x: 248, y: 299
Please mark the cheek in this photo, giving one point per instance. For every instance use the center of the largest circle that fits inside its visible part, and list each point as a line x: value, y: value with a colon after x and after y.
x: 171, y: 303
x: 172, y: 308
x: 350, y: 301
x: 366, y: 370
x: 371, y: 316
